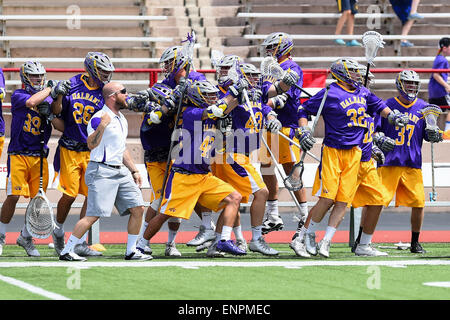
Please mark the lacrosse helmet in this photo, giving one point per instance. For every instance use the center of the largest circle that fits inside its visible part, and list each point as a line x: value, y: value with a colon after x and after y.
x: 250, y: 73
x: 225, y: 63
x: 173, y: 60
x: 33, y: 76
x: 202, y: 93
x: 346, y: 70
x: 277, y: 44
x: 99, y: 67
x: 161, y: 91
x: 408, y: 84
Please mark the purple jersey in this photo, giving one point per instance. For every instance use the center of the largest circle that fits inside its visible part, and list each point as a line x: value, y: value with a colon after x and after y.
x: 78, y: 108
x: 408, y: 140
x: 26, y: 126
x: 435, y: 90
x: 287, y: 115
x: 344, y: 114
x: 193, y: 75
x: 366, y: 145
x: 197, y: 142
x: 2, y: 121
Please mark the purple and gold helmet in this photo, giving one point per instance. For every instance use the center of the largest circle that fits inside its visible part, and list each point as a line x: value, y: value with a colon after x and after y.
x: 277, y: 44
x: 408, y: 84
x: 99, y: 67
x: 173, y: 60
x: 222, y: 69
x: 33, y: 76
x: 202, y: 93
x: 250, y: 73
x: 161, y: 91
x: 347, y: 70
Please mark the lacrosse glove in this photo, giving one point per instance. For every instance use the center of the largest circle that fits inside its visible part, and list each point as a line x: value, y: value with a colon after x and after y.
x: 59, y: 88
x: 279, y: 101
x: 396, y: 118
x: 304, y: 136
x: 44, y: 109
x: 386, y: 144
x: 377, y: 154
x: 273, y: 125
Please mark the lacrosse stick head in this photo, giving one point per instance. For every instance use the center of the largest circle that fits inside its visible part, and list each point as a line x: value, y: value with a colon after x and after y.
x: 431, y: 113
x: 39, y: 218
x: 216, y: 56
x: 408, y: 84
x: 222, y: 66
x: 188, y: 47
x: 276, y: 44
x: 372, y: 41
x: 270, y: 68
x: 293, y: 182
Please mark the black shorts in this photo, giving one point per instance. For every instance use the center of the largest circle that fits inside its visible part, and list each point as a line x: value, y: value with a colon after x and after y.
x: 441, y: 102
x: 344, y: 5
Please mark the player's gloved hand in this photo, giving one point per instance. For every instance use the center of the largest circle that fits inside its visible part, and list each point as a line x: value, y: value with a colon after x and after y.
x: 386, y: 144
x: 273, y: 125
x: 155, y: 115
x: 44, y: 109
x: 216, y: 110
x: 304, y: 136
x: 137, y: 103
x: 434, y: 135
x: 396, y: 118
x: 2, y: 94
x: 377, y: 154
x: 279, y: 101
x: 224, y: 124
x: 255, y: 95
x: 290, y: 78
x: 236, y: 89
x: 59, y: 88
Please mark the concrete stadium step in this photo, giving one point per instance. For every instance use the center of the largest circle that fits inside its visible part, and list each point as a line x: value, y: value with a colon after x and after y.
x: 116, y: 31
x: 97, y: 9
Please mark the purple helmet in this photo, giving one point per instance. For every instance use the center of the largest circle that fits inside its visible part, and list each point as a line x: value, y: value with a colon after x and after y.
x: 277, y: 44
x: 202, y: 93
x: 347, y: 70
x: 161, y: 91
x: 33, y: 76
x: 222, y: 69
x: 408, y: 84
x: 99, y: 67
x: 173, y: 60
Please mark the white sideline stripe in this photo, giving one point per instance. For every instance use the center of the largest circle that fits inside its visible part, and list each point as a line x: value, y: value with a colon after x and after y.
x: 443, y: 284
x: 33, y: 289
x: 196, y: 264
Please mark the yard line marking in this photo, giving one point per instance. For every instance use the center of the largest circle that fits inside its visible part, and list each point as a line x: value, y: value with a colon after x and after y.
x: 444, y: 284
x: 33, y: 289
x: 196, y: 264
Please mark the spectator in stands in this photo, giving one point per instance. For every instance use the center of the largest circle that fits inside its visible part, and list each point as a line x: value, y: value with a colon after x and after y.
x: 348, y: 8
x: 406, y: 11
x: 438, y: 88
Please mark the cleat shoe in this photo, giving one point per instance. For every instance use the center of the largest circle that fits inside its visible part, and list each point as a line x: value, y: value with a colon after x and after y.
x: 143, y: 245
x: 298, y: 245
x: 83, y: 250
x: 324, y: 248
x: 213, y: 252
x: 58, y: 242
x: 310, y: 243
x: 145, y: 249
x: 137, y: 255
x: 2, y: 243
x: 204, y: 246
x: 202, y: 236
x: 261, y: 246
x: 366, y: 250
x: 28, y: 245
x: 230, y: 247
x: 71, y: 256
x: 416, y: 247
x: 272, y: 225
x: 171, y: 250
x: 242, y: 244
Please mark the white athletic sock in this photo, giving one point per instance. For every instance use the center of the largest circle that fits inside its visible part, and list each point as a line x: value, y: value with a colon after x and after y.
x: 25, y: 232
x: 256, y: 233
x: 238, y: 232
x: 131, y: 243
x: 71, y: 242
x: 304, y: 209
x: 365, y: 238
x: 172, y: 236
x: 447, y: 125
x: 312, y: 228
x: 3, y: 228
x: 59, y: 230
x: 302, y: 232
x: 272, y: 209
x: 206, y: 220
x: 329, y: 233
x: 144, y: 226
x: 226, y: 233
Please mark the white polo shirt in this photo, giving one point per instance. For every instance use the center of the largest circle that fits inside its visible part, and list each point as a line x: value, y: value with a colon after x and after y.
x: 113, y: 142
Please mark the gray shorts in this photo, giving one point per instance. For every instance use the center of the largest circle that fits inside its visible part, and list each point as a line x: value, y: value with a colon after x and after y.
x: 109, y: 187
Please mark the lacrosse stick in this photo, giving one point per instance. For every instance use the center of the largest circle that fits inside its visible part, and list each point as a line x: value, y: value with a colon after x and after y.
x: 294, y: 180
x: 281, y: 134
x: 372, y: 41
x: 188, y: 50
x: 216, y: 56
x: 39, y: 218
x: 270, y: 67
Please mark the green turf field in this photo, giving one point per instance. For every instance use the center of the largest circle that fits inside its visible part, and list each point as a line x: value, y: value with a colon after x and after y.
x: 401, y: 275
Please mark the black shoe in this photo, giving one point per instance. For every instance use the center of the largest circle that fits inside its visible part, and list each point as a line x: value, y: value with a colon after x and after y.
x: 417, y: 248
x: 71, y: 256
x: 355, y: 244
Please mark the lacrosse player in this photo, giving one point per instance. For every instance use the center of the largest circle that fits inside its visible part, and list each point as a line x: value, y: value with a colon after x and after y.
x: 284, y: 98
x: 191, y: 167
x: 235, y: 166
x: 28, y: 107
x: 344, y: 113
x: 82, y: 98
x: 174, y: 63
x: 401, y: 172
x: 2, y: 121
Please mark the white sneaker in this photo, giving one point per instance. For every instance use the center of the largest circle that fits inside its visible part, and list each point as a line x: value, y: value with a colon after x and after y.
x: 71, y: 256
x: 368, y: 251
x: 2, y: 243
x: 261, y: 246
x: 171, y: 250
x: 241, y: 244
x: 28, y: 245
x: 213, y: 252
x: 202, y: 236
x: 137, y: 255
x: 310, y: 243
x: 324, y: 248
x: 272, y: 224
x: 83, y: 250
x: 204, y: 246
x: 143, y: 246
x: 298, y: 245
